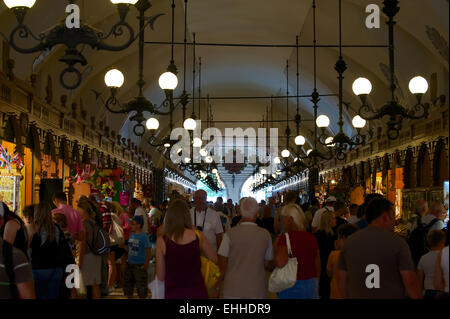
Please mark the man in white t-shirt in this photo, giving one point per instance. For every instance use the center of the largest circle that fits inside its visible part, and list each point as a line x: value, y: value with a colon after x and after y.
x: 427, y: 263
x: 245, y: 251
x: 328, y: 207
x: 441, y: 281
x: 206, y: 219
x: 436, y: 215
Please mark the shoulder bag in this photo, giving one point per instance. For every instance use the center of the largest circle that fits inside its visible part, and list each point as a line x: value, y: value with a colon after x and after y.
x: 285, y: 277
x: 210, y: 271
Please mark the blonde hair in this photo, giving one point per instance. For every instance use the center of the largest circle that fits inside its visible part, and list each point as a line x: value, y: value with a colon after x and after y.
x: 325, y: 222
x: 177, y: 219
x: 296, y: 212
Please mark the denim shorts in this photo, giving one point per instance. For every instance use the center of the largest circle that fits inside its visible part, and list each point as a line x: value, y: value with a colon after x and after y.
x: 303, y: 289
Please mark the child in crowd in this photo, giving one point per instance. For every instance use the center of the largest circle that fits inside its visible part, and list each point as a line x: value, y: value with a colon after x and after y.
x: 28, y: 215
x: 344, y: 231
x: 138, y: 260
x: 425, y: 268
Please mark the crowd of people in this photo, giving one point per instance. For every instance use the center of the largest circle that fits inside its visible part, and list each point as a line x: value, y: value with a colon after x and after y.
x: 342, y: 251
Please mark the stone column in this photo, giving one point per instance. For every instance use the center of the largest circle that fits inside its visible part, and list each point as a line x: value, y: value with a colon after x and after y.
x: 313, y: 180
x: 158, y: 185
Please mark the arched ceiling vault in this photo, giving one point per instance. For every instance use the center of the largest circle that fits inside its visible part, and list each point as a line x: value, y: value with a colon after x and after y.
x: 251, y: 71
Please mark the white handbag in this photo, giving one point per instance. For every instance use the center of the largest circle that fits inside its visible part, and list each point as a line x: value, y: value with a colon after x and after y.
x: 286, y: 277
x: 157, y: 289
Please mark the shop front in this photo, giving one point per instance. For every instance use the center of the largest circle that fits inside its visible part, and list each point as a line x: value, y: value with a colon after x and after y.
x: 11, y: 177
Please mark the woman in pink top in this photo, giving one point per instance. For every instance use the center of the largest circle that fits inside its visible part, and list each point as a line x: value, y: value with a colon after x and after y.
x: 124, y: 219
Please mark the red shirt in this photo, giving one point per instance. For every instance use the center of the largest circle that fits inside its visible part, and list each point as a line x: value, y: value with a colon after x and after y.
x: 305, y: 249
x: 74, y: 224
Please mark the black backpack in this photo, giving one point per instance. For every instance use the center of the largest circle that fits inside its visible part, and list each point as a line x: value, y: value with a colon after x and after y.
x: 418, y: 240
x: 100, y: 244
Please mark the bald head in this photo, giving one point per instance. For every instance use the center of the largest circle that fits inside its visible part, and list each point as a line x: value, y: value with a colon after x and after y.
x: 421, y: 207
x: 249, y: 207
x: 437, y: 209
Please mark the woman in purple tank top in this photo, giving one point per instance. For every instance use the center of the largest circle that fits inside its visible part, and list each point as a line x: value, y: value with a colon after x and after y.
x: 178, y: 255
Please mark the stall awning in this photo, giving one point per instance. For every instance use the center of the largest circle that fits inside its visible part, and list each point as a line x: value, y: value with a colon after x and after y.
x: 33, y: 142
x: 49, y: 146
x: 64, y: 150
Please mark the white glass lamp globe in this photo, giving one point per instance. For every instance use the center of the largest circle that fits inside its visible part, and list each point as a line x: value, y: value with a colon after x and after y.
x: 358, y: 122
x: 362, y: 86
x: 274, y: 176
x: 114, y: 78
x: 214, y: 171
x: 285, y: 153
x: 203, y: 152
x: 132, y: 2
x: 277, y: 160
x: 187, y: 160
x: 167, y: 145
x: 189, y: 124
x: 168, y: 81
x: 197, y: 142
x: 300, y: 140
x: 263, y: 171
x: 19, y: 3
x: 328, y: 141
x: 308, y: 152
x: 209, y: 159
x: 418, y: 85
x: 323, y: 121
x: 152, y: 124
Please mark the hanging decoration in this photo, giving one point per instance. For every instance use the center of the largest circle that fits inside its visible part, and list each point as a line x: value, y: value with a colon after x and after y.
x: 234, y: 167
x: 7, y: 160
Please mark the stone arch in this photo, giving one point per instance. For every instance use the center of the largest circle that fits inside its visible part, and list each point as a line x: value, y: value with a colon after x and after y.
x: 385, y: 166
x: 375, y: 169
x: 423, y: 167
x: 440, y: 164
x: 408, y: 169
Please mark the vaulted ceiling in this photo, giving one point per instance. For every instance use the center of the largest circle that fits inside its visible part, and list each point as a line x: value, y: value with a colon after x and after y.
x: 422, y: 33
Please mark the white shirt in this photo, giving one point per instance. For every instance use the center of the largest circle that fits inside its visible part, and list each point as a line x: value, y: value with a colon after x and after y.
x: 212, y: 225
x: 444, y: 266
x: 225, y: 246
x: 316, y: 220
x: 427, y: 263
x: 427, y: 219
